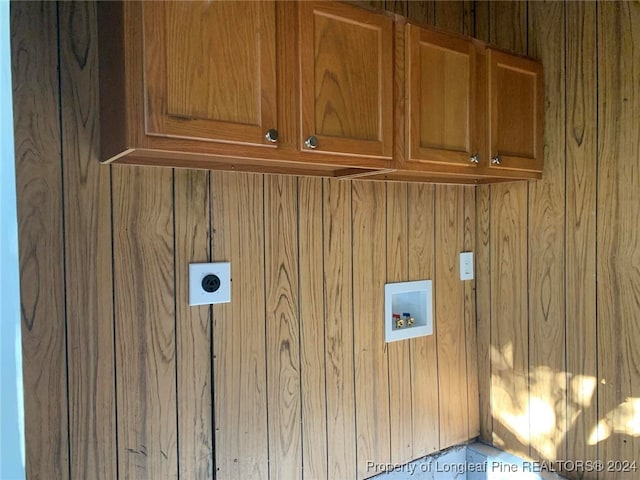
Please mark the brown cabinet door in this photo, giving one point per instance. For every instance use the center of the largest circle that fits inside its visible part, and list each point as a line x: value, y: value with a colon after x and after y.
x: 210, y: 70
x: 516, y: 112
x: 346, y: 84
x: 441, y: 104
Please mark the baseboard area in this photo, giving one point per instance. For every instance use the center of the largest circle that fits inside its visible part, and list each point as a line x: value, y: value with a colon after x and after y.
x: 473, y: 461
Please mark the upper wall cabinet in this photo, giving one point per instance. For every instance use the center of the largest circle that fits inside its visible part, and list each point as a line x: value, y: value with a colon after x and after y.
x: 467, y: 113
x: 516, y: 112
x: 280, y: 87
x: 210, y: 70
x: 441, y: 79
x: 312, y: 88
x: 346, y: 65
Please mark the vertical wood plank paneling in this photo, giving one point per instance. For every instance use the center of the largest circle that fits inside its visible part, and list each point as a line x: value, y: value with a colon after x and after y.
x: 482, y: 22
x: 424, y: 11
x: 471, y: 345
x: 397, y: 6
x: 483, y: 308
x: 370, y: 359
x: 509, y: 333
x: 89, y: 291
x: 449, y: 317
x: 400, y: 407
x: 468, y: 17
x: 509, y: 309
x: 341, y: 415
x: 449, y: 295
x: 143, y: 248
x: 312, y: 337
x: 191, y: 214
x: 283, y: 335
x: 483, y: 264
x: 450, y: 15
x: 618, y: 241
x: 239, y: 355
x: 423, y: 350
x: 508, y: 25
x: 581, y: 174
x: 40, y: 231
x: 547, y: 368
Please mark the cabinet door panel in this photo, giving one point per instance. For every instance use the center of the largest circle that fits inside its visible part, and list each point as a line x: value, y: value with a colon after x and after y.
x: 442, y: 97
x: 516, y: 112
x: 210, y: 70
x: 346, y: 83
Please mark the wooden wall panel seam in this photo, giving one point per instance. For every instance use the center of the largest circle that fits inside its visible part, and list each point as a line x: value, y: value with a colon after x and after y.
x: 113, y: 321
x: 88, y: 247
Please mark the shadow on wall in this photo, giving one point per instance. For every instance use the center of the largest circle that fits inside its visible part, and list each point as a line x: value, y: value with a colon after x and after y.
x: 526, y: 415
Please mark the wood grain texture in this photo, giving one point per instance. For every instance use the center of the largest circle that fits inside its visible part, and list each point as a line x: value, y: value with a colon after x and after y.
x: 482, y: 21
x: 423, y: 350
x: 449, y: 316
x: 283, y: 327
x: 508, y: 269
x: 483, y: 308
x: 312, y: 329
x: 346, y: 75
x: 483, y: 251
x: 340, y: 381
x: 370, y: 356
x: 191, y: 217
x: 509, y: 318
x: 89, y: 283
x: 508, y: 25
x: 441, y: 97
x: 449, y: 291
x: 399, y: 353
x: 400, y: 7
x: 449, y: 15
x: 516, y: 112
x: 143, y: 247
x: 40, y: 233
x: 187, y: 93
x: 240, y: 377
x: 424, y: 12
x: 547, y: 366
x: 618, y: 242
x: 580, y: 228
x: 469, y: 245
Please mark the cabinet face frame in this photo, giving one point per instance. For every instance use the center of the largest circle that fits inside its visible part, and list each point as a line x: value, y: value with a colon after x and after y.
x: 382, y: 25
x: 158, y: 121
x: 461, y: 157
x: 526, y: 161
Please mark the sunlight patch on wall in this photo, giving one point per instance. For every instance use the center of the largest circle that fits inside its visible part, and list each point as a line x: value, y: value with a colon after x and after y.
x: 624, y: 419
x: 534, y: 406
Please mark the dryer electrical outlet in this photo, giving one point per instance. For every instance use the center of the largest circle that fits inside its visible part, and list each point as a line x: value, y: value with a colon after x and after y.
x: 209, y: 283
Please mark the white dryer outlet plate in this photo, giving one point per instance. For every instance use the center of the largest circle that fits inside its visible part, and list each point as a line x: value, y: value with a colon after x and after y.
x: 209, y: 283
x: 466, y: 266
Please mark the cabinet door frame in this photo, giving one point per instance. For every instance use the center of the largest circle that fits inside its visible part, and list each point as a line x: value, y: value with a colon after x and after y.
x: 417, y: 152
x: 497, y: 59
x: 159, y: 123
x: 382, y: 146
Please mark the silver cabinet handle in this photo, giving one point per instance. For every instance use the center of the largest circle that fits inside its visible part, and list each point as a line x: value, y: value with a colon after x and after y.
x: 311, y: 142
x: 271, y: 135
x: 496, y: 160
x: 475, y: 158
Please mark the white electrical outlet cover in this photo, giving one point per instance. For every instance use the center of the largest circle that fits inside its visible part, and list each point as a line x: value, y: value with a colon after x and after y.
x: 466, y: 266
x: 198, y: 271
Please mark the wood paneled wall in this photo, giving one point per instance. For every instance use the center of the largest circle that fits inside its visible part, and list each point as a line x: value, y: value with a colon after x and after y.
x: 290, y: 380
x: 558, y: 299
